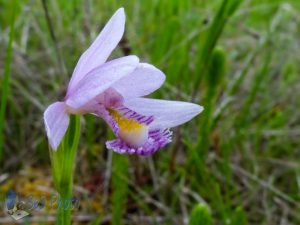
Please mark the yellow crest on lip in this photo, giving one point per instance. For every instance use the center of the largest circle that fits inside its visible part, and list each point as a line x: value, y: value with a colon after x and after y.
x: 124, y: 123
x: 130, y: 130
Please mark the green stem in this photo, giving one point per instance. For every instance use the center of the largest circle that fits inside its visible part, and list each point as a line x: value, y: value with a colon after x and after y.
x: 63, y: 165
x: 64, y: 207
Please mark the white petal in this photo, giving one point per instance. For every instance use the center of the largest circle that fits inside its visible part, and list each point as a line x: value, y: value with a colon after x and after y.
x: 100, y: 49
x: 100, y: 79
x: 144, y: 80
x: 56, y: 121
x: 166, y: 114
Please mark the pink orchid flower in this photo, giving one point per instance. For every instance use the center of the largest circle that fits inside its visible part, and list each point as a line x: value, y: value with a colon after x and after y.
x: 113, y: 90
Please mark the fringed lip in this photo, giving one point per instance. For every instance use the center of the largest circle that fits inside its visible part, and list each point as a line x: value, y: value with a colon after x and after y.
x: 157, y: 140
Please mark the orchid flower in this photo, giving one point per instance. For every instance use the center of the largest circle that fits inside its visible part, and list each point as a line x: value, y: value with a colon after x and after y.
x: 114, y: 90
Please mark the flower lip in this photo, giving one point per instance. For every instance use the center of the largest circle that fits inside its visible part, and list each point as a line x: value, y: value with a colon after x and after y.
x: 134, y: 137
x: 157, y: 139
x: 131, y: 131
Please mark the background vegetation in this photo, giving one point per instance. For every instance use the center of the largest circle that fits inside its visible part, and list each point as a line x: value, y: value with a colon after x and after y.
x: 239, y: 159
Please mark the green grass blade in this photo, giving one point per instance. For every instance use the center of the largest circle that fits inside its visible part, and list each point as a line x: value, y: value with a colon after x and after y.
x: 6, y: 77
x: 212, y: 35
x: 216, y: 73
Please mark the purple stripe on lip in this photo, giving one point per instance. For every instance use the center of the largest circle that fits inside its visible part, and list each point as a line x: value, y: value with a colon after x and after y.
x: 129, y: 114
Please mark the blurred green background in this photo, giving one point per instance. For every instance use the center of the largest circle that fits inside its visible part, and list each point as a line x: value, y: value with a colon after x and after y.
x: 239, y: 159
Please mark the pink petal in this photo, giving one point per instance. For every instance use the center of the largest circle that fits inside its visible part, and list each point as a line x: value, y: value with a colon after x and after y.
x: 100, y: 79
x: 166, y: 114
x: 56, y: 122
x: 101, y: 48
x: 144, y: 80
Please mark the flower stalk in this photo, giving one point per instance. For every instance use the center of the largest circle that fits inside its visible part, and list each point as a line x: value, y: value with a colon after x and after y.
x: 63, y: 165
